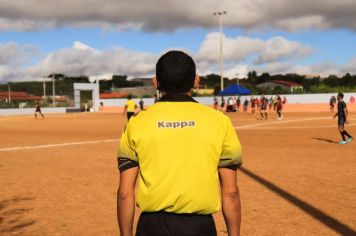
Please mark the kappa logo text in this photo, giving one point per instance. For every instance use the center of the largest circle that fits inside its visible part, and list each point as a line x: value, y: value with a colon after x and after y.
x: 175, y: 124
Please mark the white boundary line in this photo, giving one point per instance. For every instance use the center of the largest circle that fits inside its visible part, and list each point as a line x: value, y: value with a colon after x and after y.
x: 57, y: 145
x: 285, y: 121
x: 281, y: 122
x: 300, y: 127
x: 252, y: 126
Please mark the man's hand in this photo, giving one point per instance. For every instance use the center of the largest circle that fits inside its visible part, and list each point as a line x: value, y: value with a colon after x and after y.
x: 126, y: 201
x: 230, y: 196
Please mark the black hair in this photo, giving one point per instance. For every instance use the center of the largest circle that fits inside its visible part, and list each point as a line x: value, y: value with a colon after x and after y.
x: 175, y: 72
x: 341, y: 95
x: 129, y: 97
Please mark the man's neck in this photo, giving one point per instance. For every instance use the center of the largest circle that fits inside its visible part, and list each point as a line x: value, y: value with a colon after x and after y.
x: 187, y: 93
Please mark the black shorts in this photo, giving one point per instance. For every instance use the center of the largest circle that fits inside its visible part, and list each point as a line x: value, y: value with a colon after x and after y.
x: 167, y: 224
x: 38, y: 110
x: 129, y: 114
x: 341, y: 121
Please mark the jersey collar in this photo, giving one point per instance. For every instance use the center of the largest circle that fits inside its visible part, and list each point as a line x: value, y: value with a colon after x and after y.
x: 176, y: 97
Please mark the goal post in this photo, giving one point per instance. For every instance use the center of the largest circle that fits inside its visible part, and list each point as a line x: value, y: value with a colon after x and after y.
x: 94, y: 88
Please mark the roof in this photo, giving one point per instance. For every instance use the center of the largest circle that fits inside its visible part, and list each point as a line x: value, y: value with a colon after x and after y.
x: 21, y: 96
x: 235, y: 90
x: 113, y: 95
x: 287, y: 83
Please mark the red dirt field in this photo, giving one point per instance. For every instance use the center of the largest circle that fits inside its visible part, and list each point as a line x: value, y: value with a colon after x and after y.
x: 312, y: 107
x: 58, y: 176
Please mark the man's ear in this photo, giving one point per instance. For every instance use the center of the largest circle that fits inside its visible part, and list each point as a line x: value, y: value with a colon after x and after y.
x: 155, y: 82
x: 196, y: 81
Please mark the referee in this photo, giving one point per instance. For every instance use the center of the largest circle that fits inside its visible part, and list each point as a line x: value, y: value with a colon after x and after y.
x: 130, y: 107
x: 178, y: 150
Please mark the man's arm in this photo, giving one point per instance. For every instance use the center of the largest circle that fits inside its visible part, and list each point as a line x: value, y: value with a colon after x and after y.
x: 126, y: 201
x: 125, y: 110
x: 336, y: 114
x: 346, y: 115
x: 230, y: 196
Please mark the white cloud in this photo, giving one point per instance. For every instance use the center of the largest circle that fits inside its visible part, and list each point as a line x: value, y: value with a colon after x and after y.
x: 278, y: 48
x: 235, y: 49
x: 14, y: 54
x: 323, y: 69
x: 81, y: 59
x: 275, y: 55
x: 307, y: 22
x: 163, y: 15
x: 242, y: 49
x: 350, y: 67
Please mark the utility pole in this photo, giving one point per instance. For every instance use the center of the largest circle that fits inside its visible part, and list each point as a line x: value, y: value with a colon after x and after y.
x: 9, y: 92
x: 53, y: 91
x: 220, y: 14
x: 44, y: 88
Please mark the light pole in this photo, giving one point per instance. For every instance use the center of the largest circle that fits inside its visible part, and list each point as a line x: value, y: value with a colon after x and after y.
x: 220, y: 14
x: 53, y: 91
x: 9, y: 92
x: 44, y: 88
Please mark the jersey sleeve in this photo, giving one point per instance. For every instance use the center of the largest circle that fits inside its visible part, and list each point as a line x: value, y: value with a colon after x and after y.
x: 127, y: 156
x: 231, y: 155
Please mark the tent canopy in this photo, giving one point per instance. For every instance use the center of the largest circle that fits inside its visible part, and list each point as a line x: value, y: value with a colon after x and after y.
x: 235, y: 90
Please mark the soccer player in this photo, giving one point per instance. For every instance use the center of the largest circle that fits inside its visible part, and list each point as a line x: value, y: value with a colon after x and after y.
x: 332, y: 103
x: 258, y: 103
x: 156, y: 98
x: 38, y: 109
x: 216, y: 104
x: 263, y: 109
x: 342, y: 114
x: 141, y: 103
x: 222, y: 104
x: 179, y: 150
x: 279, y: 107
x: 130, y: 107
x: 238, y: 103
x: 284, y: 100
x: 253, y: 104
x: 245, y: 107
x: 230, y: 105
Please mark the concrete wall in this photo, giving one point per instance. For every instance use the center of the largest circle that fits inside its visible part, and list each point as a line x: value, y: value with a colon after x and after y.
x: 138, y: 91
x: 291, y: 99
x: 31, y: 111
x: 121, y: 102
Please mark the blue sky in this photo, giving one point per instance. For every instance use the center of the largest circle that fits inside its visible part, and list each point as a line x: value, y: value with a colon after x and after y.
x: 310, y: 40
x: 330, y: 45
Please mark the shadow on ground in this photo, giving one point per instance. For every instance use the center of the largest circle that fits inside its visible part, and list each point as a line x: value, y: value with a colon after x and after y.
x: 13, y: 218
x: 326, y: 140
x: 329, y: 221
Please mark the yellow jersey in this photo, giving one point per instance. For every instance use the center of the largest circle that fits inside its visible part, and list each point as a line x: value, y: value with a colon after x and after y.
x: 179, y: 145
x: 130, y: 106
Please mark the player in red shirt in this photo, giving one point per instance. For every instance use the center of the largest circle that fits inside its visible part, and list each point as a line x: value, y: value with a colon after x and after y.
x: 253, y: 104
x: 258, y: 103
x: 38, y: 109
x: 264, y: 104
x: 279, y: 107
